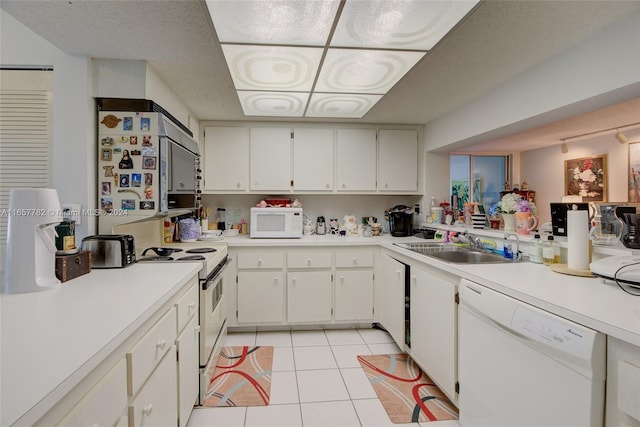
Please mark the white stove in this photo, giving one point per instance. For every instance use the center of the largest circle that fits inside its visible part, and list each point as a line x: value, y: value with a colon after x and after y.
x: 213, y: 310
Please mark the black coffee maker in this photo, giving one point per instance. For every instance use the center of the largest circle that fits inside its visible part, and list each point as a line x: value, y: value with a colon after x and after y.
x: 400, y: 221
x: 631, y: 235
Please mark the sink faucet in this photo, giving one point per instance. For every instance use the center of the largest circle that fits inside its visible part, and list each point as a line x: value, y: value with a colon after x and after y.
x: 475, y: 241
x: 516, y: 251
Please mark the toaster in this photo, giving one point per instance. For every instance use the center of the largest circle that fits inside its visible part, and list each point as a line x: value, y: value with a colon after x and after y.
x: 110, y: 250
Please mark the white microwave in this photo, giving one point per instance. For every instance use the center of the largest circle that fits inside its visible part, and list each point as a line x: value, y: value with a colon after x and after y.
x: 276, y: 223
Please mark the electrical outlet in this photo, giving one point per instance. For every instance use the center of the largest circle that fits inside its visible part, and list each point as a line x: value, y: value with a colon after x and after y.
x: 71, y: 212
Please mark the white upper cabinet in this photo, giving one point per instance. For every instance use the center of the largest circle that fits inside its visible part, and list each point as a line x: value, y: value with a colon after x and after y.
x: 270, y: 159
x: 398, y: 161
x: 356, y: 160
x: 313, y: 159
x: 226, y: 158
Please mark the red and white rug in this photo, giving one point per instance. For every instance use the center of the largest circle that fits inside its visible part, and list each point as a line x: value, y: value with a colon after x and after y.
x: 242, y: 377
x: 406, y: 393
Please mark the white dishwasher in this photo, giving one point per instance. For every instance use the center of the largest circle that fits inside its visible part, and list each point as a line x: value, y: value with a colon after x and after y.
x: 522, y: 366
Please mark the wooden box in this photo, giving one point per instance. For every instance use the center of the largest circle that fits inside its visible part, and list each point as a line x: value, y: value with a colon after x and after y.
x: 71, y: 266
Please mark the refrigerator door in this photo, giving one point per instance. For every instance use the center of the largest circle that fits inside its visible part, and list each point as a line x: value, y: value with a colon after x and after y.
x: 132, y: 168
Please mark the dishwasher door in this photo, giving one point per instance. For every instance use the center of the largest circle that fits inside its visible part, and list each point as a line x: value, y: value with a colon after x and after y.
x: 521, y: 366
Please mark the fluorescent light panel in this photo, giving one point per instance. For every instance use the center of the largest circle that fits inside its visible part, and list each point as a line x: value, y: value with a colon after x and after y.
x: 278, y: 50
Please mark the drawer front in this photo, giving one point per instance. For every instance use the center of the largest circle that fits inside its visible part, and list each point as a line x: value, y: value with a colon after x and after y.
x: 187, y: 305
x: 260, y: 259
x: 146, y: 354
x: 104, y: 403
x: 306, y: 258
x: 346, y: 258
x: 157, y: 403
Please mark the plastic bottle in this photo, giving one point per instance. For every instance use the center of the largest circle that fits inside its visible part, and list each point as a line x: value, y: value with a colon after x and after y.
x: 431, y: 206
x: 535, y: 250
x: 549, y: 252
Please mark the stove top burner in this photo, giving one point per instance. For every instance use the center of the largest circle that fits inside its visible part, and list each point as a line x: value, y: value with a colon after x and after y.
x: 200, y: 251
x: 156, y: 258
x: 192, y: 258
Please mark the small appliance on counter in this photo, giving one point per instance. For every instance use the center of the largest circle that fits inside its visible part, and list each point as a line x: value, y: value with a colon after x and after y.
x: 110, y: 250
x: 30, y: 257
x: 400, y: 221
x: 276, y: 223
x: 321, y: 226
x: 559, y: 216
x: 623, y: 269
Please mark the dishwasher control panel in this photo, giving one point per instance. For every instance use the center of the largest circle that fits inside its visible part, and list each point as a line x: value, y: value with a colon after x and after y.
x: 552, y: 331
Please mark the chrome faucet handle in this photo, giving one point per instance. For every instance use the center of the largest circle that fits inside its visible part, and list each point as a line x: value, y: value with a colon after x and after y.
x: 516, y: 252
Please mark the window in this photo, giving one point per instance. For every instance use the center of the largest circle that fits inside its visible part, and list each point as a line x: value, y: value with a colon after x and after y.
x: 489, y: 175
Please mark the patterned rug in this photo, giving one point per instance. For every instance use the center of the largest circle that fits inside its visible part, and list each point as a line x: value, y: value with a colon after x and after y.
x: 242, y: 377
x: 407, y: 394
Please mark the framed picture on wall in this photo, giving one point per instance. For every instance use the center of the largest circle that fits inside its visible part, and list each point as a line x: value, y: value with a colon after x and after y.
x: 586, y: 177
x: 634, y: 172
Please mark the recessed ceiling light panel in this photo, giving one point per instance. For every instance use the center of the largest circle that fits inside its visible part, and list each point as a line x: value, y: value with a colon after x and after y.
x: 272, y: 68
x: 273, y: 22
x: 340, y: 105
x: 399, y: 24
x: 289, y: 104
x: 364, y: 71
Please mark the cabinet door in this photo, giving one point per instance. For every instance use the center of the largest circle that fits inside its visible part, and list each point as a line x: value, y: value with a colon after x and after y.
x: 226, y: 158
x: 309, y: 296
x: 156, y: 404
x: 354, y: 295
x: 188, y: 372
x: 390, y: 284
x: 270, y: 159
x: 260, y: 297
x: 313, y: 159
x: 356, y: 160
x: 398, y: 160
x: 433, y: 327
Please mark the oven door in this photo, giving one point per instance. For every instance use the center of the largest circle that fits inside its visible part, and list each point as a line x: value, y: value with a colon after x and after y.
x: 212, y: 326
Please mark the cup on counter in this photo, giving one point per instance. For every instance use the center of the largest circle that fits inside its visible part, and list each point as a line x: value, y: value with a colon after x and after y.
x: 204, y: 225
x: 375, y: 229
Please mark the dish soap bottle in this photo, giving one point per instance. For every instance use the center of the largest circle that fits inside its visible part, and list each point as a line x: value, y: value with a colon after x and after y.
x: 549, y: 252
x: 535, y: 250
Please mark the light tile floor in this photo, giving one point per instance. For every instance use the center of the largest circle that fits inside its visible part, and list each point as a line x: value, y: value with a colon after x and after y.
x: 316, y: 381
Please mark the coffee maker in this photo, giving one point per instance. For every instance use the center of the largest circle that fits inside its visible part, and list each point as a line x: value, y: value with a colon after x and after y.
x: 400, y: 221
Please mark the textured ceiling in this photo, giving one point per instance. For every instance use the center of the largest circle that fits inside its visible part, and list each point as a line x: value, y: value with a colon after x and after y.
x: 497, y: 41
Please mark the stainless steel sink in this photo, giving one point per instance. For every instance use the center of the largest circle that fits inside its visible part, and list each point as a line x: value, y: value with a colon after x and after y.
x: 454, y: 254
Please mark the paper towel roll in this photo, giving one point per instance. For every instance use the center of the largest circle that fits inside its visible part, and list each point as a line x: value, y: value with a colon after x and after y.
x: 578, y: 240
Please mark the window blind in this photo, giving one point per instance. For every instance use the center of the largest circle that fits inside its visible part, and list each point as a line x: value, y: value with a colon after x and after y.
x: 25, y: 135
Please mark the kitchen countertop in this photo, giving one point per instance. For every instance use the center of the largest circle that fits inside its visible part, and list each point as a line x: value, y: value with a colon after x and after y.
x: 52, y: 339
x: 602, y: 306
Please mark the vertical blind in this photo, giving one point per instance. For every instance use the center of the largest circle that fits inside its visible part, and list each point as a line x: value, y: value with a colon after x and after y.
x: 25, y: 135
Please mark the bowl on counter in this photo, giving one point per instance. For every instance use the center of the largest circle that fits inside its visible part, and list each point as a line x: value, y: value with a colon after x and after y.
x: 230, y: 233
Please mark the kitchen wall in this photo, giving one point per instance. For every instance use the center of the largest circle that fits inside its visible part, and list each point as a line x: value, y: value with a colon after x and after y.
x: 544, y: 169
x: 329, y: 206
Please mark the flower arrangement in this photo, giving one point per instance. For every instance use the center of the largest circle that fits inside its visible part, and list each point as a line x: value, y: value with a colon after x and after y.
x: 512, y: 203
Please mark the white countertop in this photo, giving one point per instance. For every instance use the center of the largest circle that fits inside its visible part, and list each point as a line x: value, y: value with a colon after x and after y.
x: 51, y: 339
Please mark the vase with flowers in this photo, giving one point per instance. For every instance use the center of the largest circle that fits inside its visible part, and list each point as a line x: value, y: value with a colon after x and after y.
x: 509, y: 205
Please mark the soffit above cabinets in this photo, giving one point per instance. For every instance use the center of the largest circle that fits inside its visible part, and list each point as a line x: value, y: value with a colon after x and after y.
x: 326, y: 58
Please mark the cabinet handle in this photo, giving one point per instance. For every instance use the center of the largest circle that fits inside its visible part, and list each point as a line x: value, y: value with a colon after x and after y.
x: 239, y: 184
x: 147, y: 409
x: 344, y: 185
x: 276, y: 279
x: 308, y: 261
x: 192, y: 306
x: 197, y: 328
x: 293, y: 281
x: 355, y: 261
x: 327, y: 185
x: 161, y: 345
x: 342, y: 279
x: 260, y: 261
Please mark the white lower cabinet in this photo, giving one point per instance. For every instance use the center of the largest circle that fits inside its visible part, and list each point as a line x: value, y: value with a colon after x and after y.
x: 353, y: 295
x: 187, y: 345
x: 390, y: 284
x: 103, y: 405
x: 260, y: 297
x: 309, y: 296
x: 155, y: 405
x: 293, y: 285
x: 433, y: 315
